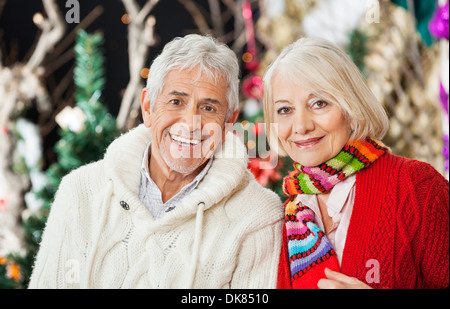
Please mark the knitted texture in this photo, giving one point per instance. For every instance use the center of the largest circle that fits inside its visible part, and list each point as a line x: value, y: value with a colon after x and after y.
x: 321, y: 179
x: 398, y: 236
x: 310, y: 251
x: 100, y: 235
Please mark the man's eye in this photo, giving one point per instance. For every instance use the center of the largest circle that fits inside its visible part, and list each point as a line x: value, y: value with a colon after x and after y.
x: 175, y: 102
x: 209, y: 108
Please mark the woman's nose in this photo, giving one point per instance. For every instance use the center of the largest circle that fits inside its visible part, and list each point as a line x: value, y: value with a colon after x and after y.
x: 303, y: 123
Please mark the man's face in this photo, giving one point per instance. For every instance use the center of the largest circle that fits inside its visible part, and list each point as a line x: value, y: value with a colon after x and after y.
x: 188, y: 119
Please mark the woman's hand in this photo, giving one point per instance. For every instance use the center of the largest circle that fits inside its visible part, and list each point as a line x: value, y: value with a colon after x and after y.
x: 337, y: 280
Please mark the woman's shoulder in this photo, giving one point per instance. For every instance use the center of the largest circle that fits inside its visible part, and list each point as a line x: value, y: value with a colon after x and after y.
x: 403, y: 177
x: 413, y: 179
x: 418, y: 171
x: 406, y: 167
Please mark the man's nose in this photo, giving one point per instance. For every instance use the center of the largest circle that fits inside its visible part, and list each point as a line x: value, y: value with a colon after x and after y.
x: 192, y: 119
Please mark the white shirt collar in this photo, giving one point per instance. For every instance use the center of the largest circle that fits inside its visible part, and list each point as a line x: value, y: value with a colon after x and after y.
x: 146, y: 171
x: 150, y: 194
x: 336, y: 200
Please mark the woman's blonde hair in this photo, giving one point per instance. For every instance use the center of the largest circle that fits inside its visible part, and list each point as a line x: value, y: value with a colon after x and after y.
x: 325, y: 70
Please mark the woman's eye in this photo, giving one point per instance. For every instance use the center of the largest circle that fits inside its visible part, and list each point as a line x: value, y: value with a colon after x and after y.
x: 283, y: 110
x: 319, y: 104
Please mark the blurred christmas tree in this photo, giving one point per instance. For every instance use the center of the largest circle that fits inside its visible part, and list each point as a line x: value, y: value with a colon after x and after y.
x: 87, y: 129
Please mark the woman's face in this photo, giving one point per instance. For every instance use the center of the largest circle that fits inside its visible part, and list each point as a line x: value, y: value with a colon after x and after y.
x: 311, y: 130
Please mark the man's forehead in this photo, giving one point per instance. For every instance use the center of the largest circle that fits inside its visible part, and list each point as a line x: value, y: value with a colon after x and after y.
x: 196, y: 75
x: 184, y: 83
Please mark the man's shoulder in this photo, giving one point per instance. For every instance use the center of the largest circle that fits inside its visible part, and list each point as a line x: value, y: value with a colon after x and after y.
x: 92, y: 173
x: 258, y: 191
x: 254, y: 199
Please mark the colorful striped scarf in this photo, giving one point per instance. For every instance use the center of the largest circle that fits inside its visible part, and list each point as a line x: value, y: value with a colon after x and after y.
x: 310, y: 252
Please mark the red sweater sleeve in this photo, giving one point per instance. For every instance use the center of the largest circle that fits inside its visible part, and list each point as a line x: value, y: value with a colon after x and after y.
x: 433, y: 242
x: 400, y: 220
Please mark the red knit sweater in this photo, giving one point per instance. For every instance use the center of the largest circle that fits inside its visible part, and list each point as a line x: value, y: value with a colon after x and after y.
x: 398, y: 235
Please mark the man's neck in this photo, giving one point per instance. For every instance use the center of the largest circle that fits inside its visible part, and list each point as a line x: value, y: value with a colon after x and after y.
x: 168, y: 181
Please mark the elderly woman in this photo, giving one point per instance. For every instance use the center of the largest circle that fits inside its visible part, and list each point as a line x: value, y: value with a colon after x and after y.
x: 357, y: 216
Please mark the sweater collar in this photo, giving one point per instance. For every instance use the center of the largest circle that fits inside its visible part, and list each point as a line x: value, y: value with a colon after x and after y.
x: 123, y: 163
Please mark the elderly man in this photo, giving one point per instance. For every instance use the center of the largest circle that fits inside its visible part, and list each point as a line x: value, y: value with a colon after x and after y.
x: 172, y: 204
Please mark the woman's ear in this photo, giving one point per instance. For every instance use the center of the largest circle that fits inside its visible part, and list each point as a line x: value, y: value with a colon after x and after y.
x: 146, y: 108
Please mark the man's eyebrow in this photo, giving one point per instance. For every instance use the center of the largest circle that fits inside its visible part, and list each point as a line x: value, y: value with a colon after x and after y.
x: 184, y: 94
x: 212, y: 101
x: 179, y: 93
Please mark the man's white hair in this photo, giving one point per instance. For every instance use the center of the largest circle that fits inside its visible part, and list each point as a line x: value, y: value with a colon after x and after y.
x: 195, y: 51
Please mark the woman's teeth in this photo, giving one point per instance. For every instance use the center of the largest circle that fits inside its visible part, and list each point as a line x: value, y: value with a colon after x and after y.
x: 308, y: 143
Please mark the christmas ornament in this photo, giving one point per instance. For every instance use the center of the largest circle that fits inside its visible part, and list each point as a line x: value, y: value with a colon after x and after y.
x: 439, y: 27
x: 439, y: 24
x: 252, y: 87
x: 263, y: 175
x: 334, y: 20
x: 71, y: 118
x: 3, y: 205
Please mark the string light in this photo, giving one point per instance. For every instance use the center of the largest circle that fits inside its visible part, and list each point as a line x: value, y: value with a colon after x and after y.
x: 247, y: 57
x: 144, y: 73
x: 126, y: 19
x: 38, y: 19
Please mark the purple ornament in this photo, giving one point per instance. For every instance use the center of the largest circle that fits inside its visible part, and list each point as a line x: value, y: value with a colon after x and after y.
x: 439, y: 24
x: 444, y: 98
x: 445, y: 152
x: 445, y: 149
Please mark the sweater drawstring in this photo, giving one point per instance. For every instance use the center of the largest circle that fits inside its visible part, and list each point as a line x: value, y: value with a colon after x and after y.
x: 196, y: 248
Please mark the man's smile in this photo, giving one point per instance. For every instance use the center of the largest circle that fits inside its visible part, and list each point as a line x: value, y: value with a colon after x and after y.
x: 183, y: 141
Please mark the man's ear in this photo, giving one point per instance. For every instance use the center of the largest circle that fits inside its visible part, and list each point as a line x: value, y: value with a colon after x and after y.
x: 146, y: 108
x: 233, y: 118
x: 229, y: 123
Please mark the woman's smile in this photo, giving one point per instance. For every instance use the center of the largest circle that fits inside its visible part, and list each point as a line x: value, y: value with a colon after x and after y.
x: 308, y: 143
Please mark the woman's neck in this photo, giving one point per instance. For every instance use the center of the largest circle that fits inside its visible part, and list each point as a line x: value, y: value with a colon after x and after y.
x: 326, y: 219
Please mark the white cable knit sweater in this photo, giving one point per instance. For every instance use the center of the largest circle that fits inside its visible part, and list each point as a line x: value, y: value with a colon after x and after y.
x: 225, y: 234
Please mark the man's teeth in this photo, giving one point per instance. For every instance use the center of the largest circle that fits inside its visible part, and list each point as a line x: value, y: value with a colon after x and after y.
x: 185, y: 140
